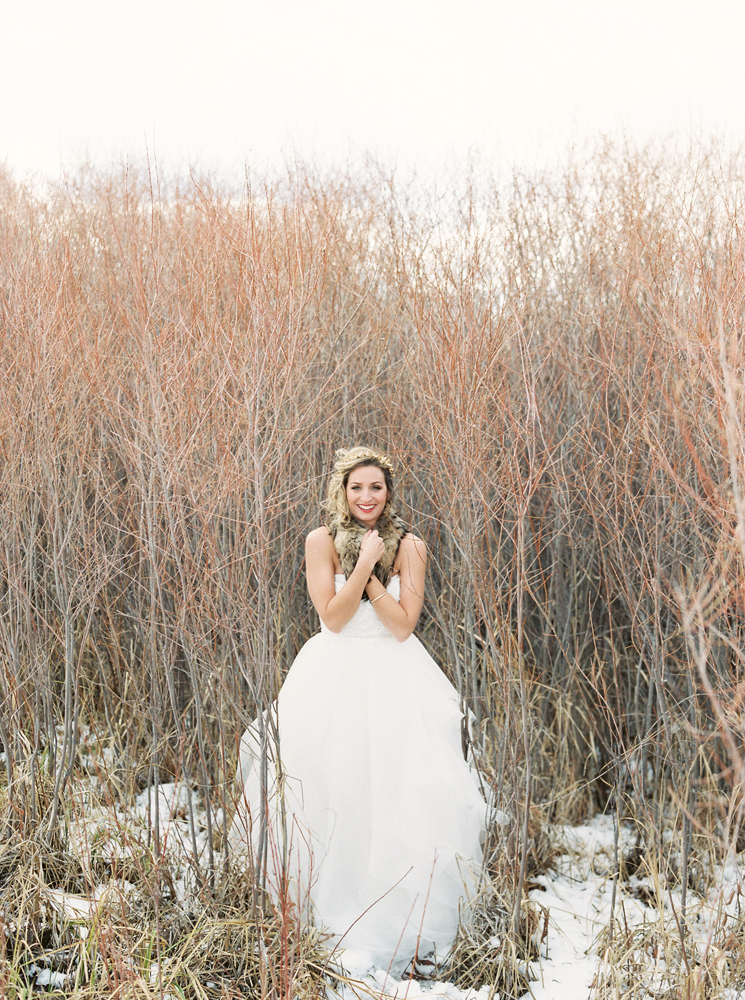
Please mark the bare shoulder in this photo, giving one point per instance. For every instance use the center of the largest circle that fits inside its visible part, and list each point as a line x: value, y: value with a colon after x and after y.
x: 320, y: 551
x: 412, y: 549
x: 319, y: 541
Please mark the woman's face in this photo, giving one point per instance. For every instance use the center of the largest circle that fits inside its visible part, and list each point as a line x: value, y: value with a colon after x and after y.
x: 366, y: 494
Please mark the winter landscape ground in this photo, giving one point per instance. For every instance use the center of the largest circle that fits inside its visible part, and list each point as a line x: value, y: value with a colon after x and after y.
x: 576, y: 902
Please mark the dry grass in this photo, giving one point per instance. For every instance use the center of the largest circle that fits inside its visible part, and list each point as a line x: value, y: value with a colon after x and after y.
x: 557, y: 365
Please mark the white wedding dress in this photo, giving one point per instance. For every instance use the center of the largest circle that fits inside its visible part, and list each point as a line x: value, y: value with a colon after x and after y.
x: 382, y: 819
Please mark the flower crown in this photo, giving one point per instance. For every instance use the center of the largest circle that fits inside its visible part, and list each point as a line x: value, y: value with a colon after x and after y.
x: 348, y: 458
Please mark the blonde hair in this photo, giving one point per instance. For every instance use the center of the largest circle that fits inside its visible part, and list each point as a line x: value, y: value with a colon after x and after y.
x: 348, y: 459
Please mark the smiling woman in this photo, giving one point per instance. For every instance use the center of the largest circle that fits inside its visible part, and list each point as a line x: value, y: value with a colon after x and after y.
x: 377, y: 816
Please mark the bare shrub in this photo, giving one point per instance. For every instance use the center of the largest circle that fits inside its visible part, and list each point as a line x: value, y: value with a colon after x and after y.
x: 556, y: 366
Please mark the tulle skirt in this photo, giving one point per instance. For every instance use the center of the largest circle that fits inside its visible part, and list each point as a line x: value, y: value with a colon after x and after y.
x: 381, y: 818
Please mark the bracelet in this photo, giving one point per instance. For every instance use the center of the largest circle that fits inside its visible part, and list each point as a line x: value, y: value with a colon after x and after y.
x: 377, y: 598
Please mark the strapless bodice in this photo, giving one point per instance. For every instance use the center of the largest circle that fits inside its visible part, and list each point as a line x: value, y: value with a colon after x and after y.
x: 364, y: 623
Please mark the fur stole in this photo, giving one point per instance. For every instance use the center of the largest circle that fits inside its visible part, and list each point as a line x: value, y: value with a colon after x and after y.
x: 348, y: 538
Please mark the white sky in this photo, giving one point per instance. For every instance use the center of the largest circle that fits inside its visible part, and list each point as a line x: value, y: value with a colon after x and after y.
x: 217, y: 84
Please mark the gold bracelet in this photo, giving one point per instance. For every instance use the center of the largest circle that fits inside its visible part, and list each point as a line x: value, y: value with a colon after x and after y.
x: 374, y: 599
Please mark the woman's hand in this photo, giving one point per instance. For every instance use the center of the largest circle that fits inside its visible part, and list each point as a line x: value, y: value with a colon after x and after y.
x: 400, y: 617
x: 372, y: 550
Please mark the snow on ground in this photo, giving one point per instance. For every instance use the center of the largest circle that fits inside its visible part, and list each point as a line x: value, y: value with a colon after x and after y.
x: 112, y: 832
x: 379, y: 983
x: 575, y: 901
x: 578, y: 896
x: 578, y: 904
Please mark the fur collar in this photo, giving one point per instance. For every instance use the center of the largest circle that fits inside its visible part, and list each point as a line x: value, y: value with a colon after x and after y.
x: 348, y: 538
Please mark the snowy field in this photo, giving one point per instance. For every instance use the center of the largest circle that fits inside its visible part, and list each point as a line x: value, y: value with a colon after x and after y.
x: 574, y: 901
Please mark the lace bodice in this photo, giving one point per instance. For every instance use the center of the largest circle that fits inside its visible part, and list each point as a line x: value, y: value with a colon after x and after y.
x: 364, y: 624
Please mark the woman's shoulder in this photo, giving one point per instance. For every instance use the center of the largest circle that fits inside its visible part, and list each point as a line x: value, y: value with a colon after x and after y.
x: 319, y: 539
x: 319, y: 549
x: 411, y: 545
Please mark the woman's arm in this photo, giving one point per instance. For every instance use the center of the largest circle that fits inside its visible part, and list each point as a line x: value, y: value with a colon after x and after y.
x: 335, y: 610
x: 400, y: 617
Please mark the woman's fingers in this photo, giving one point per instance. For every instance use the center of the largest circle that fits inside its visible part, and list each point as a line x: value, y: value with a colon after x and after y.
x: 372, y: 545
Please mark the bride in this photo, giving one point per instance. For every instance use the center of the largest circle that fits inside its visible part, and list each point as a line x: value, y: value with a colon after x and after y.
x: 373, y: 813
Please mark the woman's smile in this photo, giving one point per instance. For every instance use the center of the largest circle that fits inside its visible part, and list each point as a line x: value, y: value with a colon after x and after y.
x: 363, y: 509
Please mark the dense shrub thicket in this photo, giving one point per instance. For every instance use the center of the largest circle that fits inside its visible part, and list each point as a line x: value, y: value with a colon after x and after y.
x: 556, y: 366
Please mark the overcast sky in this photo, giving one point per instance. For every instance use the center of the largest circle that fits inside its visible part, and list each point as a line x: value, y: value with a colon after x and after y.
x: 221, y: 83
